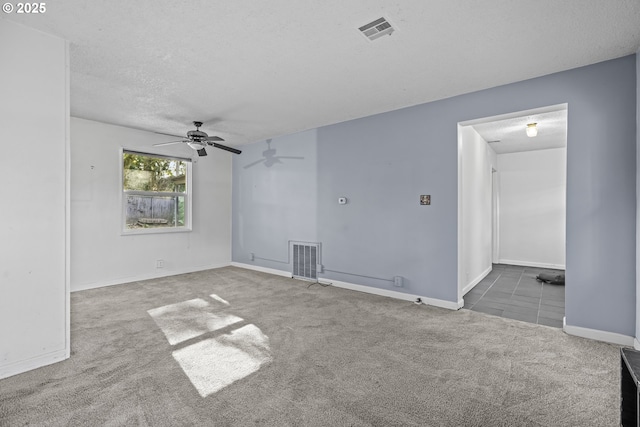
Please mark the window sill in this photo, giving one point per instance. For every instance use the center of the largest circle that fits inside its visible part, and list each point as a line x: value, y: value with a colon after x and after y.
x: 141, y: 231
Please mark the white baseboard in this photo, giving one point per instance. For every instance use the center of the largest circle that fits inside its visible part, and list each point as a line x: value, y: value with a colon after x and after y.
x: 532, y: 264
x: 262, y: 269
x: 636, y: 344
x: 477, y: 280
x: 154, y: 275
x: 21, y: 366
x: 362, y: 288
x: 594, y: 334
x: 395, y: 294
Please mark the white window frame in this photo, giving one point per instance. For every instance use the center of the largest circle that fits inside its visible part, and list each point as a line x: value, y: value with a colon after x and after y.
x: 188, y: 196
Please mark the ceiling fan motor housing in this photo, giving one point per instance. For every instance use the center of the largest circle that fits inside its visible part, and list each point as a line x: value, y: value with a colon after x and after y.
x: 196, y: 135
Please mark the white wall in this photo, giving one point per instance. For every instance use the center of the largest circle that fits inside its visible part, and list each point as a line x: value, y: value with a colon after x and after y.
x: 533, y: 208
x: 100, y: 255
x: 34, y: 312
x: 478, y: 159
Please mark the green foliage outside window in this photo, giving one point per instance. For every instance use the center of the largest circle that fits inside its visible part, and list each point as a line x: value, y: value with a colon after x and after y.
x: 155, y: 190
x: 145, y: 173
x: 181, y: 211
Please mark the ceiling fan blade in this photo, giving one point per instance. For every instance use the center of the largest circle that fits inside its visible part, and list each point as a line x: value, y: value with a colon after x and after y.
x: 168, y: 143
x: 202, y: 152
x: 213, y: 138
x: 170, y: 134
x: 224, y: 147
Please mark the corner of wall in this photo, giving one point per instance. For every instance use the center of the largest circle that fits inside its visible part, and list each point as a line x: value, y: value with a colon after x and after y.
x: 637, y: 195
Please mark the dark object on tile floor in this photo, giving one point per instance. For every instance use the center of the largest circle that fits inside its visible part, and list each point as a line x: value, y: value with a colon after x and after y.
x: 551, y: 278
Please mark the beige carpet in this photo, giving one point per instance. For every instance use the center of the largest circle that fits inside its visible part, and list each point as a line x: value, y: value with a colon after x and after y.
x: 231, y: 347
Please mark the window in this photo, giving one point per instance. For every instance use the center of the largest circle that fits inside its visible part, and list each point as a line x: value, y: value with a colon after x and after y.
x: 156, y: 193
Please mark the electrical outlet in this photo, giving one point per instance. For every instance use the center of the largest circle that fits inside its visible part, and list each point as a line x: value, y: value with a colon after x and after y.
x: 397, y: 281
x: 159, y: 263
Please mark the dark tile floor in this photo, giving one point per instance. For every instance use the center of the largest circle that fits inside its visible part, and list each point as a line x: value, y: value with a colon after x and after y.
x: 513, y: 291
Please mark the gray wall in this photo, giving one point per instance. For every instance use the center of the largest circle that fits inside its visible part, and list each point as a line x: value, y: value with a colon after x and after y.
x: 274, y: 198
x: 384, y: 162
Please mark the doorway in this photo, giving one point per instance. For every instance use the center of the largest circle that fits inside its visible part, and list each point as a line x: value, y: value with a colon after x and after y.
x: 512, y: 219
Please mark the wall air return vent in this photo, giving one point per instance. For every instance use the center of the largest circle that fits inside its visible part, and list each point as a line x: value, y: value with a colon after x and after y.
x: 306, y: 260
x: 377, y: 28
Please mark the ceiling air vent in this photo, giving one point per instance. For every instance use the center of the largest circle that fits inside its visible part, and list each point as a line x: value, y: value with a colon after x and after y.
x: 377, y: 28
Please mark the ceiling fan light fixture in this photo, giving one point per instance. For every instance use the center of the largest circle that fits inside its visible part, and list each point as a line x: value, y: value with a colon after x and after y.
x: 532, y: 130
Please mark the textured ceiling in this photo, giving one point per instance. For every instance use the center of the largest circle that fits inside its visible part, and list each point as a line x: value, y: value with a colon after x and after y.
x: 508, y: 135
x: 252, y: 70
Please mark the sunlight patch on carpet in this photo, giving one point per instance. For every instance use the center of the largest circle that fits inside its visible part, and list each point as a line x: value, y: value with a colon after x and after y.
x: 217, y: 298
x: 189, y: 319
x: 211, y: 363
x: 215, y: 363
